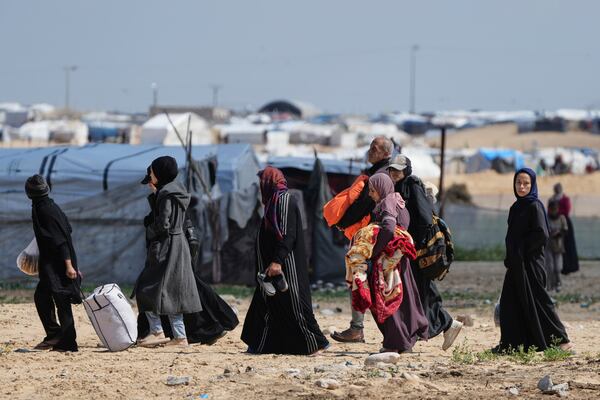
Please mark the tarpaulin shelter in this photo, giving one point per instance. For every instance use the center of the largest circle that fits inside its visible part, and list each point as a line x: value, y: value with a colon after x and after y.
x: 98, y: 187
x: 500, y: 160
x: 159, y: 130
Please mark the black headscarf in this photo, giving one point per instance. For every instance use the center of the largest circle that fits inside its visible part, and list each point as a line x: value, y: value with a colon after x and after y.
x: 165, y: 170
x: 530, y: 197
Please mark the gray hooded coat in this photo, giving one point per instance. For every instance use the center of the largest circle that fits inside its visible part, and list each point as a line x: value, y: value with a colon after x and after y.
x: 167, y: 285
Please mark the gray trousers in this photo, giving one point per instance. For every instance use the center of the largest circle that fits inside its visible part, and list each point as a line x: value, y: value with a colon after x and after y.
x: 358, y: 318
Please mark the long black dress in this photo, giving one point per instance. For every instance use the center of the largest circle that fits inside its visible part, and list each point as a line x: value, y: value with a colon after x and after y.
x: 53, y: 235
x: 283, y: 323
x: 527, y: 315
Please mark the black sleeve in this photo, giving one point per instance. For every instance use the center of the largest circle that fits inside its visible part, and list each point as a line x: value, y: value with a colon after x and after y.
x: 161, y: 225
x: 65, y: 253
x: 423, y: 212
x: 290, y: 220
x: 361, y: 207
x: 538, y: 233
x: 386, y: 233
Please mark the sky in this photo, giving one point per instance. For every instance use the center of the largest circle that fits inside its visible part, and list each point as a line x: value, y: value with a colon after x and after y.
x: 348, y: 56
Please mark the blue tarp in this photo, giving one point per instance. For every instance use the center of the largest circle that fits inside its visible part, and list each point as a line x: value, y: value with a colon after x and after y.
x: 505, y: 154
x: 237, y: 166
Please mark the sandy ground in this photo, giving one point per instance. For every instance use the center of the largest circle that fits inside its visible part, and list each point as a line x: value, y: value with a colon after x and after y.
x: 224, y: 371
x: 506, y: 135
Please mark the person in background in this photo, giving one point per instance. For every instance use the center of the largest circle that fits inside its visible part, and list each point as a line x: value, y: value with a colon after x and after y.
x: 280, y: 318
x: 570, y: 258
x: 379, y: 154
x: 527, y: 314
x: 420, y: 208
x: 167, y: 286
x: 59, y: 284
x: 558, y: 227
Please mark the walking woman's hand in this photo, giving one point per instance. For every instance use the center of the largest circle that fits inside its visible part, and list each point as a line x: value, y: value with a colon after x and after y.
x: 274, y: 269
x: 70, y: 271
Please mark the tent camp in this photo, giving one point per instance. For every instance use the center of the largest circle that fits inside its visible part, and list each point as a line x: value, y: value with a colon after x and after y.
x: 500, y: 160
x: 158, y: 129
x: 98, y: 187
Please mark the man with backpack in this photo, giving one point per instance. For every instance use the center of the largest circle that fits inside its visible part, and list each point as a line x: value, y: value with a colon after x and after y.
x: 412, y: 190
x: 379, y: 154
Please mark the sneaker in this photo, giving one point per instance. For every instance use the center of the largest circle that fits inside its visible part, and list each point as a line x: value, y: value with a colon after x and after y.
x: 280, y: 283
x: 265, y: 282
x: 451, y: 334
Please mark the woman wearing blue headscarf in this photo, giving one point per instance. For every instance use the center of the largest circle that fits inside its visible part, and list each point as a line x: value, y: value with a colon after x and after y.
x: 527, y: 314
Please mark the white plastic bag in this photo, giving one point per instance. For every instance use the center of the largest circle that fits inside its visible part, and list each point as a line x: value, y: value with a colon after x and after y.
x: 27, y: 260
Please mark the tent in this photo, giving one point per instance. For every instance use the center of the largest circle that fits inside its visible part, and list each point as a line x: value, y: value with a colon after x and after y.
x: 500, y: 160
x: 98, y: 187
x: 296, y: 108
x: 158, y: 129
x: 61, y: 131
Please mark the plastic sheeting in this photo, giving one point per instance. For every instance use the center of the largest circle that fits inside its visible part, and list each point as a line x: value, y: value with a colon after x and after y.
x: 98, y: 187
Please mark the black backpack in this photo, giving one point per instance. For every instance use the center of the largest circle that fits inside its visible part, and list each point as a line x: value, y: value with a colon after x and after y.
x: 435, y: 258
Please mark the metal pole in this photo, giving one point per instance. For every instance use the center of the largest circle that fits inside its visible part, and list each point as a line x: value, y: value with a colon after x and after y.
x: 154, y: 94
x: 413, y: 77
x: 68, y: 70
x: 442, y: 168
x: 215, y: 95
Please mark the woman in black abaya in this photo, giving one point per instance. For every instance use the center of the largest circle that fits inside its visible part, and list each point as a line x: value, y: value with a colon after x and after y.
x: 527, y: 314
x: 281, y: 322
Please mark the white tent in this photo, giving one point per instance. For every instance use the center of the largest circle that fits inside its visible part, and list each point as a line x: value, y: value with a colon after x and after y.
x: 63, y: 131
x: 158, y: 129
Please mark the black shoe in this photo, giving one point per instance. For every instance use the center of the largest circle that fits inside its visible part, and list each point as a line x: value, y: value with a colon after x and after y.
x: 280, y: 283
x: 214, y: 339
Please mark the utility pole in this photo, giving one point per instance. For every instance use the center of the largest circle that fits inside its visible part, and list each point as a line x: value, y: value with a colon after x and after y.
x: 413, y: 77
x: 441, y: 191
x: 68, y: 69
x: 154, y: 87
x: 215, y: 95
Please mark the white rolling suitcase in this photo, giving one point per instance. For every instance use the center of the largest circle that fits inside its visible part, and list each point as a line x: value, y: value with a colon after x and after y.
x: 112, y: 317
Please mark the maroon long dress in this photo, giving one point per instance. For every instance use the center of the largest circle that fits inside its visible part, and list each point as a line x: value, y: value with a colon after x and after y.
x: 401, y: 330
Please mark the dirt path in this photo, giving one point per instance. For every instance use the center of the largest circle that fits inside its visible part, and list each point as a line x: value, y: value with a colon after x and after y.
x: 224, y: 371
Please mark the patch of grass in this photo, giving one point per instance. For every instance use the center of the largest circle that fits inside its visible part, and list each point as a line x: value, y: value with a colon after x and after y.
x: 5, y: 348
x: 522, y: 356
x: 555, y: 353
x: 492, y: 253
x: 486, y: 355
x: 462, y: 354
x: 238, y: 291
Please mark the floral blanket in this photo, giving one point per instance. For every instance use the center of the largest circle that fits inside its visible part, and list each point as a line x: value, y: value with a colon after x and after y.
x: 381, y: 288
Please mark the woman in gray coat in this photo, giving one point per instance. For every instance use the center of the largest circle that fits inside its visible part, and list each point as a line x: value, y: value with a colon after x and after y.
x: 167, y: 285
